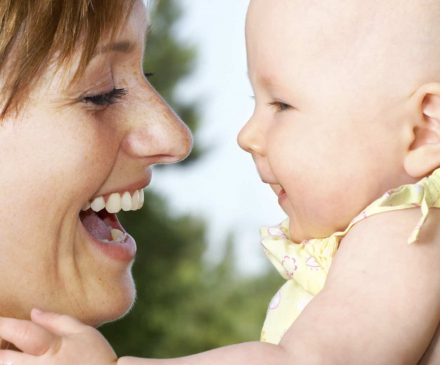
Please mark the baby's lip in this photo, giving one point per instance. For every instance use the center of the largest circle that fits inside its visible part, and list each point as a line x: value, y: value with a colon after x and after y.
x: 269, y: 181
x: 281, y: 192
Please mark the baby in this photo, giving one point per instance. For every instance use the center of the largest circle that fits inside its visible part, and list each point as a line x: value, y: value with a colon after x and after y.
x: 346, y: 126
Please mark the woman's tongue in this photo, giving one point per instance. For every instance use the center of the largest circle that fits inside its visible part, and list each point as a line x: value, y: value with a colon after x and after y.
x: 95, y: 225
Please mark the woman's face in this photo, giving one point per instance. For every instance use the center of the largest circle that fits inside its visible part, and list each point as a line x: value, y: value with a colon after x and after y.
x: 69, y: 146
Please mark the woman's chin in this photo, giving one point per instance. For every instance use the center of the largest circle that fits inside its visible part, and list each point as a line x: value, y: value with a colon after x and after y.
x: 109, y: 304
x: 111, y: 312
x: 104, y: 289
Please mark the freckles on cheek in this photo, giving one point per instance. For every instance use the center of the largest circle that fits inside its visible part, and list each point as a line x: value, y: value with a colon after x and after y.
x: 96, y: 149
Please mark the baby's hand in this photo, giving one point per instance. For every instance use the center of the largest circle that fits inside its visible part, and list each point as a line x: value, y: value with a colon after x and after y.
x: 53, y: 339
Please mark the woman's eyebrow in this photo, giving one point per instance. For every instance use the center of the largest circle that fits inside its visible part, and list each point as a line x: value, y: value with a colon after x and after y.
x: 122, y: 46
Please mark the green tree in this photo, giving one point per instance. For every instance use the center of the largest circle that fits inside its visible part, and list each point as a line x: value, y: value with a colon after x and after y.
x: 183, y: 305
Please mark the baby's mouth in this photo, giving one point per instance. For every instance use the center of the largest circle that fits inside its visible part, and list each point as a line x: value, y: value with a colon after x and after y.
x: 99, y: 216
x: 281, y: 192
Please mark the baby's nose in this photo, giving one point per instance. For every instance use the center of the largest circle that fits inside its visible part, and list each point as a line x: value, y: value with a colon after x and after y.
x: 251, y: 138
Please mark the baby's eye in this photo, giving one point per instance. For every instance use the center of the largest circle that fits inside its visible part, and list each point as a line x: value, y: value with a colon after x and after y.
x: 106, y: 99
x: 279, y: 106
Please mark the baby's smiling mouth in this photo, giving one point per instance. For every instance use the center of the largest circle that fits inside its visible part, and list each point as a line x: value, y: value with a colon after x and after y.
x: 99, y: 216
x: 281, y: 195
x: 281, y: 192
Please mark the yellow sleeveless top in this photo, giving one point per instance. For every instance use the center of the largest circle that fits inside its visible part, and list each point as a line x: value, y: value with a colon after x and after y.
x: 305, y: 265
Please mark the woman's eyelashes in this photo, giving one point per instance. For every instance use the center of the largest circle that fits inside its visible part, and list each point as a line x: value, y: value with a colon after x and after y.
x: 106, y: 99
x: 109, y: 98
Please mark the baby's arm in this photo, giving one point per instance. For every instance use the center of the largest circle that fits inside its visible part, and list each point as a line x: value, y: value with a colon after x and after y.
x: 381, y: 301
x: 255, y: 353
x: 59, y: 339
x: 380, y: 305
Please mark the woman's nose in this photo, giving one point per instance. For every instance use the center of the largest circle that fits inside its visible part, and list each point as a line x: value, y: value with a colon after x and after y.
x: 251, y: 137
x: 156, y: 133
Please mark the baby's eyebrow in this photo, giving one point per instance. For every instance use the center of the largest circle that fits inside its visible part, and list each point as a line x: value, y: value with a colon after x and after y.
x: 265, y: 80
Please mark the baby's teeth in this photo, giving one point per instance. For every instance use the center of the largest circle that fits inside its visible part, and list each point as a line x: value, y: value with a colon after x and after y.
x: 113, y: 203
x: 86, y: 206
x: 135, y: 200
x: 116, y: 233
x: 141, y: 199
x: 126, y: 202
x: 98, y: 204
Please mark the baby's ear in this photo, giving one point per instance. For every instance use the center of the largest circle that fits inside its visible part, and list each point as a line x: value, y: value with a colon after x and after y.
x: 424, y: 150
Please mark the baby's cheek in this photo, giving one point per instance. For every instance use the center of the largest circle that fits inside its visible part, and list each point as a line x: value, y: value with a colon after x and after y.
x: 322, y: 208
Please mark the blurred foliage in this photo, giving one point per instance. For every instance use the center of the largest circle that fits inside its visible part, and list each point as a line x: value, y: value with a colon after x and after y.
x: 184, y: 305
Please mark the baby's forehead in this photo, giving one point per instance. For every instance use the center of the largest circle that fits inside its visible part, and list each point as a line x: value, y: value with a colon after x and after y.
x: 382, y: 39
x: 349, y: 21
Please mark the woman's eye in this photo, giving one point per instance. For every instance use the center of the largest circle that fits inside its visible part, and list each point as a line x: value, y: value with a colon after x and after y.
x: 280, y: 107
x: 106, y: 99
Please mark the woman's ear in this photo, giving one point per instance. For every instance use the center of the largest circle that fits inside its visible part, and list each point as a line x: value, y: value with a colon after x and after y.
x: 424, y: 150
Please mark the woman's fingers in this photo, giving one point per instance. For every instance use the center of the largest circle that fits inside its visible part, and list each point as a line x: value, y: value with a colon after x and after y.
x: 59, y: 324
x: 27, y: 336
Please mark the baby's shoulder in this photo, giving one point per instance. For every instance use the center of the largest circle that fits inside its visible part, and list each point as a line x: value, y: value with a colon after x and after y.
x: 381, y: 242
x: 381, y: 290
x: 397, y: 226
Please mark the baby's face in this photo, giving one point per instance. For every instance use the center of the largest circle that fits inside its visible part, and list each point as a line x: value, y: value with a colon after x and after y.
x: 329, y: 103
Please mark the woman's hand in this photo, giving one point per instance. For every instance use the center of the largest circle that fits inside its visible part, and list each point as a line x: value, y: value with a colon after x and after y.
x: 53, y: 339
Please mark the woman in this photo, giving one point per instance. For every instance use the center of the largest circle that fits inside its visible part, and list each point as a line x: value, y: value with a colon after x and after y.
x: 80, y: 127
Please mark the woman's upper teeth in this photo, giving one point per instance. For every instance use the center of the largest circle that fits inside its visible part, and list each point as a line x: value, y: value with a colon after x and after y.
x: 116, y: 202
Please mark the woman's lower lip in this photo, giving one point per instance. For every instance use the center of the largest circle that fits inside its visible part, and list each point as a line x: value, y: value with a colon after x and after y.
x: 122, y: 252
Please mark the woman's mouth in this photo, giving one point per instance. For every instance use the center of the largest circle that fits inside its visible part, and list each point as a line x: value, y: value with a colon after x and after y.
x: 100, y: 221
x: 102, y: 225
